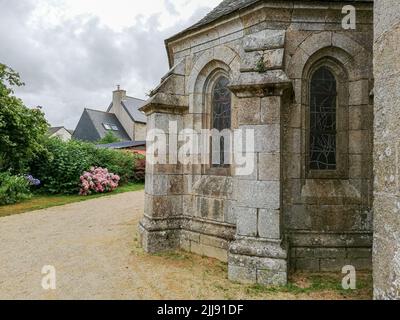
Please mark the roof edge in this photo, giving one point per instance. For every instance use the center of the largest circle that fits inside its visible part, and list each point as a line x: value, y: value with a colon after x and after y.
x: 197, y: 26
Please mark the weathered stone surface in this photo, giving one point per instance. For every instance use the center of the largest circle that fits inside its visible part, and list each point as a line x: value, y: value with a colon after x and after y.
x: 163, y: 206
x: 359, y: 92
x: 246, y: 221
x: 158, y: 241
x: 266, y: 39
x: 272, y: 278
x: 229, y: 212
x: 269, y: 166
x: 250, y: 60
x: 271, y: 110
x: 269, y: 224
x: 262, y: 270
x: 266, y: 137
x: 257, y: 80
x: 258, y: 247
x: 242, y: 274
x: 257, y: 194
x: 249, y: 111
x: 273, y: 59
x: 208, y: 251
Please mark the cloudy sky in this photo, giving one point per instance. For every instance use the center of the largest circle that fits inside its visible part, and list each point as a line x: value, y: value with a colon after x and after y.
x: 71, y: 54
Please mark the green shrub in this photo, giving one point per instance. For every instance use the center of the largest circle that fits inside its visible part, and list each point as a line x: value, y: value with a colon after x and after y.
x: 13, y: 188
x: 140, y: 169
x: 118, y: 162
x: 60, y: 167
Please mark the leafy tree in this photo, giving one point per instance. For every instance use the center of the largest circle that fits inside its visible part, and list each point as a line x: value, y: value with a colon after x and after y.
x: 21, y: 129
x: 109, y: 138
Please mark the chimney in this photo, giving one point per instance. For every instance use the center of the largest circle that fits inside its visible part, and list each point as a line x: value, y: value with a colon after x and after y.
x: 118, y: 96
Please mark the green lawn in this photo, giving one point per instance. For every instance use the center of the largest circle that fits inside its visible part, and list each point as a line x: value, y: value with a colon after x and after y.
x: 40, y: 201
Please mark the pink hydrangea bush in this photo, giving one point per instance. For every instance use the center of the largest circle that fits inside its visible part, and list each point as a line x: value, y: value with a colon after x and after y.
x: 98, y: 180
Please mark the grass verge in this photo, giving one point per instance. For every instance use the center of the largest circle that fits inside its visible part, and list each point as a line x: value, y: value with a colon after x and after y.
x: 41, y: 201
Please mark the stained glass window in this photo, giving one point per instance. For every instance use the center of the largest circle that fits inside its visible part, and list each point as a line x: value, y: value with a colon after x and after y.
x: 323, y: 96
x: 221, y: 113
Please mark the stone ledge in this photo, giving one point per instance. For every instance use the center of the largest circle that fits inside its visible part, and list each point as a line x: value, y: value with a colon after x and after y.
x: 258, y: 248
x: 166, y: 103
x: 256, y: 81
x: 330, y: 239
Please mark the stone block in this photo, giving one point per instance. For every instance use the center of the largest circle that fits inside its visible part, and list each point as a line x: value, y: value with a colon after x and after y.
x: 246, y: 221
x: 269, y: 166
x: 355, y: 166
x: 273, y: 59
x: 242, y: 274
x: 359, y: 92
x: 249, y: 60
x: 224, y: 53
x: 358, y: 141
x: 356, y: 115
x: 269, y: 224
x: 214, y: 242
x: 343, y: 41
x: 293, y: 165
x: 266, y: 137
x: 307, y: 264
x: 385, y: 167
x: 265, y: 39
x: 361, y: 264
x: 163, y: 206
x: 297, y: 218
x: 271, y: 278
x: 159, y: 241
x: 317, y: 41
x: 359, y: 253
x: 271, y: 110
x: 175, y: 185
x: 248, y: 167
x: 229, y: 212
x: 208, y: 251
x: 258, y: 194
x: 249, y: 111
x: 333, y: 265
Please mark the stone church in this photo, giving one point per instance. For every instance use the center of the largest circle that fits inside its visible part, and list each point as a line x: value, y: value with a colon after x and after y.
x: 303, y: 81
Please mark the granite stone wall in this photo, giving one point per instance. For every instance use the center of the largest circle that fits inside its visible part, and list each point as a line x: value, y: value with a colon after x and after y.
x: 386, y: 251
x: 277, y: 217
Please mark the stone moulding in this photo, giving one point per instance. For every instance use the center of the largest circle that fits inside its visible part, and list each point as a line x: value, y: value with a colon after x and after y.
x: 169, y: 97
x: 265, y: 83
x: 185, y: 232
x: 166, y: 103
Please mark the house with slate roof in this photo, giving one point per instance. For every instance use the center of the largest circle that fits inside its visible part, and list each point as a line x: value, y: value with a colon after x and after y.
x: 122, y: 118
x: 60, y: 132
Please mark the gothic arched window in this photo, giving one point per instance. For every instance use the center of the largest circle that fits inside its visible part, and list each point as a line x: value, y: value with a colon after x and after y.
x: 323, y: 132
x: 221, y: 116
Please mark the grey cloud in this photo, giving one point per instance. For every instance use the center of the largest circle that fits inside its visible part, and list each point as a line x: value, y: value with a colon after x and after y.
x: 78, y: 63
x: 169, y: 5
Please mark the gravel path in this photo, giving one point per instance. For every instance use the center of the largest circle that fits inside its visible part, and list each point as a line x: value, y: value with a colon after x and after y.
x: 89, y: 244
x: 94, y: 248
